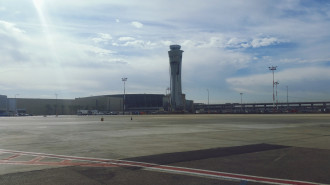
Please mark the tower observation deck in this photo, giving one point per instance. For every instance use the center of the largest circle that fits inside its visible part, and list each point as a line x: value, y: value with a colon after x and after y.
x: 176, y: 98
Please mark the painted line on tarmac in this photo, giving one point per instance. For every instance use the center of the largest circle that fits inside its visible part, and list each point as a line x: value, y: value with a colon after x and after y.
x: 99, y: 162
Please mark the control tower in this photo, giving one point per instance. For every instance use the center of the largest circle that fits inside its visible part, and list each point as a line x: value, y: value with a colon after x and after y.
x: 177, y: 98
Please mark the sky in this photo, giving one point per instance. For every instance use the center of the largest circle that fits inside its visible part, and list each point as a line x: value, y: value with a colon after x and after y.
x: 82, y: 48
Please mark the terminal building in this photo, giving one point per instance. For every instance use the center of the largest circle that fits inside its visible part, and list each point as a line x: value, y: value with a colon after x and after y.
x: 104, y: 104
x: 134, y: 103
x: 3, y: 105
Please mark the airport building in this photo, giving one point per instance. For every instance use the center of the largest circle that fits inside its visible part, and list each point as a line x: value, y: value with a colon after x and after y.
x: 133, y: 104
x: 264, y: 108
x: 3, y: 104
x: 143, y: 104
x: 35, y: 106
x: 105, y: 104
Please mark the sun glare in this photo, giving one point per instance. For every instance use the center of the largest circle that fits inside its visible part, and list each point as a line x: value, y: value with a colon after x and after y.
x: 48, y: 34
x: 38, y: 5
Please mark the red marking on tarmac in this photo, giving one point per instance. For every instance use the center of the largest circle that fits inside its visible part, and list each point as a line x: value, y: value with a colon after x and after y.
x: 12, y: 157
x: 41, y: 159
x: 37, y: 159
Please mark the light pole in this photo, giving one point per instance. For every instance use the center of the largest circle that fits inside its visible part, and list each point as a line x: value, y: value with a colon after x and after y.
x: 56, y: 104
x: 276, y: 83
x: 124, y: 79
x: 287, y: 97
x: 241, y: 101
x: 208, y: 100
x: 16, y: 104
x: 168, y: 90
x: 208, y: 96
x: 273, y: 68
x: 168, y: 95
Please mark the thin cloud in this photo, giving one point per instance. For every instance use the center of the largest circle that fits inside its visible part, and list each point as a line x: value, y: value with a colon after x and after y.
x: 137, y: 24
x: 7, y: 27
x: 126, y: 38
x: 102, y: 38
x: 263, y: 42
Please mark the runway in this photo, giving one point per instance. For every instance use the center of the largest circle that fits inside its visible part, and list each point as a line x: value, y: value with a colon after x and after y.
x: 180, y: 149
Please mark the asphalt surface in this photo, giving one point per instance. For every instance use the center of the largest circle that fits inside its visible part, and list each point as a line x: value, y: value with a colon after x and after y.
x: 292, y: 147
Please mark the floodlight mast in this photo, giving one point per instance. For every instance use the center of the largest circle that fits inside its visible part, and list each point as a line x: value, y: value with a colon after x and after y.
x: 208, y: 96
x: 167, y: 92
x: 208, y: 100
x: 287, y: 97
x: 276, y: 83
x: 124, y: 79
x: 241, y: 102
x: 273, y: 68
x: 56, y: 114
x: 16, y: 113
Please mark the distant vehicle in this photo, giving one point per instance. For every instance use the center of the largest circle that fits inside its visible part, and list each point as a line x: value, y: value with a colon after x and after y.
x: 89, y: 112
x: 23, y: 114
x: 82, y: 112
x: 94, y: 112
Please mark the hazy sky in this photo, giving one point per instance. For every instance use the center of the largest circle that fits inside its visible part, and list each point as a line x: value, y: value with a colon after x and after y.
x: 79, y: 48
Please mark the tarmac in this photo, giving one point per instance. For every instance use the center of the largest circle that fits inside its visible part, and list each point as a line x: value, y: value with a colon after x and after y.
x: 166, y: 149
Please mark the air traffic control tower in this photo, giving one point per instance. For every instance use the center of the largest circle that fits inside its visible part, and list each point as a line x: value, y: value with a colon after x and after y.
x: 176, y: 98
